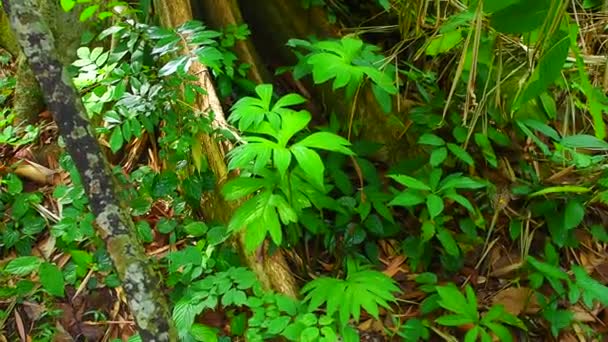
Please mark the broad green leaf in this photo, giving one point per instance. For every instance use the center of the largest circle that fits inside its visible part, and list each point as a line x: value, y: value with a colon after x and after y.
x: 434, y: 204
x: 443, y: 43
x: 455, y: 181
x: 22, y: 266
x: 311, y: 163
x: 264, y: 91
x: 447, y: 241
x: 282, y: 159
x: 438, y: 156
x: 293, y: 122
x: 461, y: 154
x: 428, y: 231
x: 289, y: 100
x: 51, y: 279
x: 327, y: 141
x: 204, y: 333
x: 463, y: 201
x: 196, y: 229
x: 584, y: 141
x: 430, y: 139
x: 521, y: 17
x: 407, y: 199
x: 574, y: 212
x: 88, y: 12
x: 410, y: 182
x: 453, y: 300
x: 116, y: 139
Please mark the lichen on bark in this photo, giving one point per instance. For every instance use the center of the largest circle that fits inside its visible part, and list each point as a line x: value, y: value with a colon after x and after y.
x: 140, y: 280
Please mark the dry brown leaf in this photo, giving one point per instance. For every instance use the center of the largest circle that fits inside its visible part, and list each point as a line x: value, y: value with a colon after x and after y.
x: 517, y: 300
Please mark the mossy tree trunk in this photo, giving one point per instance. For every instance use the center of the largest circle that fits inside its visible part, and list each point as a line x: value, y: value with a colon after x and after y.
x: 28, y: 100
x: 140, y: 280
x: 271, y: 269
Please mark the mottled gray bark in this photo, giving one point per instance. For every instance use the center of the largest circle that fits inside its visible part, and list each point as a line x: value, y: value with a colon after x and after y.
x: 140, y: 280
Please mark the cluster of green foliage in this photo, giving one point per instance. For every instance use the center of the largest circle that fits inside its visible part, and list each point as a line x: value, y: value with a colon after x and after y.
x: 294, y: 183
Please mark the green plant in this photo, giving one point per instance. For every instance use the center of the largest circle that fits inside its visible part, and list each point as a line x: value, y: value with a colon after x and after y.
x: 464, y: 311
x: 349, y: 62
x: 281, y: 187
x: 362, y: 288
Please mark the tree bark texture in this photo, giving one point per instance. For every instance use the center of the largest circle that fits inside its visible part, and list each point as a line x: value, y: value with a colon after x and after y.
x: 272, y: 271
x: 140, y: 280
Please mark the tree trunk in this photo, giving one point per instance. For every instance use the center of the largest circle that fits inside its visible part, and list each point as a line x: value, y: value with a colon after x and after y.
x: 28, y: 101
x: 140, y: 280
x: 271, y: 270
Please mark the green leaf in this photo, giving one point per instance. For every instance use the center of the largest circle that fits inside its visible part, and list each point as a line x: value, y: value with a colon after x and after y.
x: 311, y: 163
x: 327, y: 141
x: 67, y: 5
x: 521, y: 17
x: 196, y: 228
x: 486, y: 148
x: 591, y: 287
x: 88, y: 12
x: 454, y: 320
x: 548, y: 68
x: 116, y: 139
x: 447, y: 241
x: 204, y: 333
x: 430, y: 139
x: 173, y: 66
x: 407, y: 199
x: 438, y: 156
x: 22, y: 266
x: 51, y: 279
x: 453, y: 300
x: 573, y: 214
x: 288, y: 100
x: 410, y: 182
x: 547, y: 270
x: 560, y: 189
x: 461, y: 154
x: 434, y: 204
x: 584, y: 141
x: 443, y: 43
x: 240, y: 187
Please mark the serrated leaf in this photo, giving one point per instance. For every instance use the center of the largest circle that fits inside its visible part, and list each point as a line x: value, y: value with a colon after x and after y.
x: 23, y: 265
x: 461, y: 154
